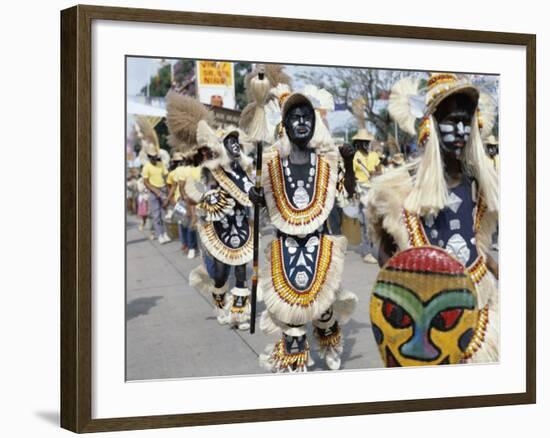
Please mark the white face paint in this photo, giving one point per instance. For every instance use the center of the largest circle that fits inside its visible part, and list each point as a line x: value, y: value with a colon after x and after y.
x: 455, y: 131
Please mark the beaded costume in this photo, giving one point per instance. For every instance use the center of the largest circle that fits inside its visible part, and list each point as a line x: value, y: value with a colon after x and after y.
x: 449, y: 226
x: 222, y: 205
x: 301, y: 281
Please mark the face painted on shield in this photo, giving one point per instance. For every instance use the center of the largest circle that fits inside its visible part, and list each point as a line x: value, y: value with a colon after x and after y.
x: 299, y: 123
x: 424, y: 309
x: 232, y: 146
x: 454, y: 117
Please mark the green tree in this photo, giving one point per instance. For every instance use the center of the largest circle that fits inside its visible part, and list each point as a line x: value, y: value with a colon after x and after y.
x: 160, y: 83
x: 241, y: 70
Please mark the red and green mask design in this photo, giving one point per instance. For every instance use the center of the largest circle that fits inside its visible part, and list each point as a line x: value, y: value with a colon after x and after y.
x: 423, y: 309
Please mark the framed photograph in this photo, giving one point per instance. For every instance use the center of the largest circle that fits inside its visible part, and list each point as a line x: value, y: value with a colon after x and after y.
x: 267, y: 218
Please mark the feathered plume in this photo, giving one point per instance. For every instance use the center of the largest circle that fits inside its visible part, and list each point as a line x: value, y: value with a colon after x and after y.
x: 146, y: 131
x: 274, y: 74
x: 487, y: 108
x: 358, y: 110
x: 183, y: 114
x: 405, y: 106
x: 254, y: 119
x: 321, y: 99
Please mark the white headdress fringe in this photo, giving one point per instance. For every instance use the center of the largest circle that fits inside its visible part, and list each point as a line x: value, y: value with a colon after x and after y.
x: 426, y: 192
x: 430, y: 192
x: 295, y: 314
x: 400, y: 104
x: 488, y: 110
x: 481, y: 168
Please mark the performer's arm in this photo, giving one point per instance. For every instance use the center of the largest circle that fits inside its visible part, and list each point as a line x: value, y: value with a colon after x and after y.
x: 492, y: 265
x: 172, y: 189
x: 256, y: 196
x: 347, y: 152
x: 151, y: 187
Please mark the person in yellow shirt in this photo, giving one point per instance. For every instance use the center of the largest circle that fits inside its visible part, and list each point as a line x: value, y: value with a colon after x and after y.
x: 181, y: 176
x: 176, y: 168
x: 154, y: 173
x: 366, y: 164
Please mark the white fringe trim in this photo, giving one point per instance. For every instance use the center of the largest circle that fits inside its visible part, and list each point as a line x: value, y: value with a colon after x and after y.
x: 200, y: 280
x: 219, y: 251
x: 344, y: 306
x: 268, y: 325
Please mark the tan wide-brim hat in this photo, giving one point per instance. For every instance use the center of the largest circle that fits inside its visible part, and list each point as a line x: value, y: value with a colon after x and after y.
x: 151, y: 149
x: 398, y: 158
x: 443, y: 85
x: 177, y: 156
x: 363, y: 134
x: 223, y: 133
x: 491, y: 140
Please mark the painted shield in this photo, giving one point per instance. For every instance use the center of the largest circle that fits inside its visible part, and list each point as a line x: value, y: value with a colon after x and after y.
x: 302, y: 276
x: 424, y: 309
x: 228, y: 239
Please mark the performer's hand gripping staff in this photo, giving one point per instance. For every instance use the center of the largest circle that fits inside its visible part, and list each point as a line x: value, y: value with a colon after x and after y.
x: 258, y: 131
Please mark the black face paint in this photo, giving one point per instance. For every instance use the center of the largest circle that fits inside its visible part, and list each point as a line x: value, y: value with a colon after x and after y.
x: 492, y: 150
x: 454, y: 117
x: 232, y: 146
x: 362, y: 145
x: 299, y: 124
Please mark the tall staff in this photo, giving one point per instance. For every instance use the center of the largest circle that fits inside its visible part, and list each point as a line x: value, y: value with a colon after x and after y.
x: 259, y: 132
x: 256, y: 231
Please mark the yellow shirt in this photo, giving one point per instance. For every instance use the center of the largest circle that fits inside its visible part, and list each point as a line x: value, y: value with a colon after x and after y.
x: 189, y: 173
x: 155, y: 174
x: 184, y: 174
x: 364, y: 165
x: 172, y: 179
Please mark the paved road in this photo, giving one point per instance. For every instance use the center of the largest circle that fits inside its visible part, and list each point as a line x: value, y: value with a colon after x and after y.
x: 172, y: 333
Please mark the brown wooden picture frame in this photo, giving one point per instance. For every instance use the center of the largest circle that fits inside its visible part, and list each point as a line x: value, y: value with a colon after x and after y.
x: 76, y: 217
